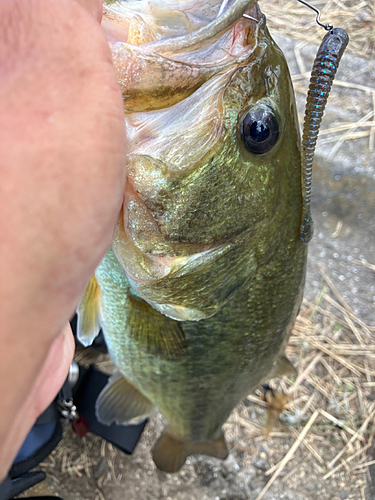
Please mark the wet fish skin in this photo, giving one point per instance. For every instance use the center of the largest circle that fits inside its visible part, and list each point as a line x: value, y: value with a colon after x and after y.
x: 243, y: 299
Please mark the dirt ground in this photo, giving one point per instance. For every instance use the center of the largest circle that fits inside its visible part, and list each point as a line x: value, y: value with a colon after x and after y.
x: 323, y: 446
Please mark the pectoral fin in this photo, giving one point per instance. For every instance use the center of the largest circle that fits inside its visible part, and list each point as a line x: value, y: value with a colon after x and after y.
x: 153, y: 332
x: 158, y: 335
x: 88, y: 312
x: 122, y: 403
x: 170, y: 454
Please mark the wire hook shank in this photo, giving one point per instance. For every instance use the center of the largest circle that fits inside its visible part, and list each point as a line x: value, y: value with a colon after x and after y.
x: 327, y: 27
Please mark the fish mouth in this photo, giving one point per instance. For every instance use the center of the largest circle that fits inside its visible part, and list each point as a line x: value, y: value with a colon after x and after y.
x: 189, y: 26
x: 229, y: 13
x: 157, y: 73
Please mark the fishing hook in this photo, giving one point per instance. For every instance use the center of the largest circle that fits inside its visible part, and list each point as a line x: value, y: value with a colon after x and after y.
x: 249, y: 17
x: 327, y: 27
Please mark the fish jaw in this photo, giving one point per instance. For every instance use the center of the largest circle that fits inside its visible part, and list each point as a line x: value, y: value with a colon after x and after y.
x: 151, y: 78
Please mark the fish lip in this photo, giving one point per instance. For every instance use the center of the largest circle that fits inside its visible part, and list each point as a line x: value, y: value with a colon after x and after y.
x: 206, y: 33
x: 174, y: 45
x: 152, y: 76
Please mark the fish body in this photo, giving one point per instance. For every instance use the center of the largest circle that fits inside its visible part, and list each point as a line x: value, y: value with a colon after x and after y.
x: 200, y: 291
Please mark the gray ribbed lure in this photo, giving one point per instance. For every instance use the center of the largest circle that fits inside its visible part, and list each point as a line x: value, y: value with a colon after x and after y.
x: 322, y: 76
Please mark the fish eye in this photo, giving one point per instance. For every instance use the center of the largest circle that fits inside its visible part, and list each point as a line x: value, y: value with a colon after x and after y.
x: 260, y: 129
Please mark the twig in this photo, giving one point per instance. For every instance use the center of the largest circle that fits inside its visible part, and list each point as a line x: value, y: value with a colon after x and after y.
x: 310, y: 448
x: 349, y: 459
x: 337, y: 231
x: 341, y: 425
x: 363, y: 495
x: 366, y: 464
x: 257, y: 400
x: 317, y: 383
x: 331, y: 371
x: 353, y: 328
x: 290, y: 454
x: 307, y: 405
x: 354, y: 437
x: 355, y: 369
x: 372, y: 132
x: 344, y: 306
x: 363, y: 262
x: 349, y: 85
x: 305, y: 372
x: 350, y: 131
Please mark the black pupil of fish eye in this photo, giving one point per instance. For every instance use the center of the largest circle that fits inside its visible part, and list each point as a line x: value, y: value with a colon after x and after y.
x: 260, y: 130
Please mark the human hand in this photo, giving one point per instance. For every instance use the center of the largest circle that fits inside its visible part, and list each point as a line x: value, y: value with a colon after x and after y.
x: 62, y: 171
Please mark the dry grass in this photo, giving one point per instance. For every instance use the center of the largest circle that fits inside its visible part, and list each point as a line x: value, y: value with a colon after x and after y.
x: 291, y: 18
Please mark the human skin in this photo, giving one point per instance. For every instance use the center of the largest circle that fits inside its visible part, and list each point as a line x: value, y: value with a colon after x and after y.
x: 62, y: 171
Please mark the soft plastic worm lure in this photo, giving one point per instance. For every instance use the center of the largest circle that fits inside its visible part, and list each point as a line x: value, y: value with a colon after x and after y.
x: 322, y: 75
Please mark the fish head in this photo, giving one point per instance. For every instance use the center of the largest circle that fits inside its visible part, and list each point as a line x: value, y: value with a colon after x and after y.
x: 213, y: 168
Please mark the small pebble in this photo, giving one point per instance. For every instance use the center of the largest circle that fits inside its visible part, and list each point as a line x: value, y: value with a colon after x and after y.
x: 101, y: 468
x: 261, y: 464
x: 311, y: 485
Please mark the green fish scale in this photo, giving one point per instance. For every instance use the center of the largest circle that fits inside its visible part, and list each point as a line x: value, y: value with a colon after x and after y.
x: 230, y: 353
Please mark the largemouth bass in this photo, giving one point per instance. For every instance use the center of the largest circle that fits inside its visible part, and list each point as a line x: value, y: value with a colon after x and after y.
x: 200, y: 291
